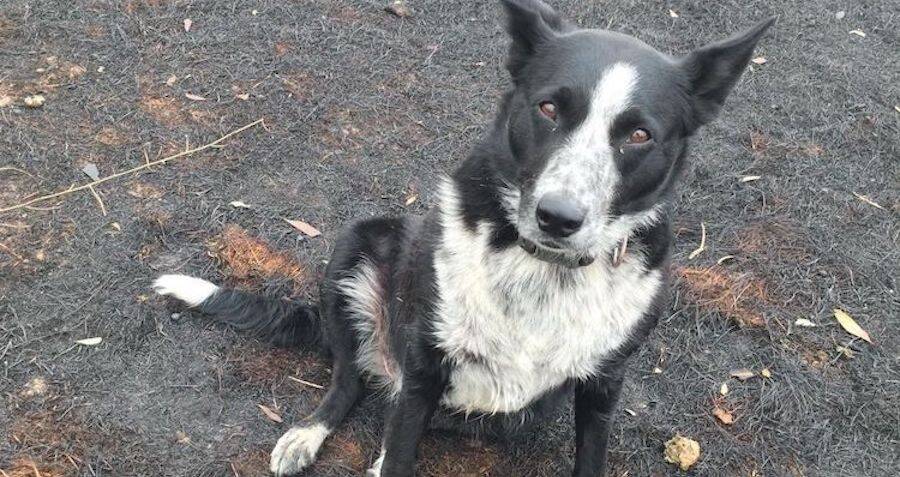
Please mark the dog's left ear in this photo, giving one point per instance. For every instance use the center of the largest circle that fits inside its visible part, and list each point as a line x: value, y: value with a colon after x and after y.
x: 530, y: 23
x: 714, y: 69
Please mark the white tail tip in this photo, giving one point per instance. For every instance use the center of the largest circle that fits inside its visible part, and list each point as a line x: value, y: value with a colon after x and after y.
x: 192, y: 291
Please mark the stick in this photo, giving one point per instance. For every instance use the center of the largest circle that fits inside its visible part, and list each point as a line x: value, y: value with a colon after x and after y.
x: 164, y: 160
x: 99, y: 200
x: 307, y: 383
x: 702, y: 246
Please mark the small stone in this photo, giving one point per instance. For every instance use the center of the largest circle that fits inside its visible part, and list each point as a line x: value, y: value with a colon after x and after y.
x: 840, y: 15
x: 399, y: 9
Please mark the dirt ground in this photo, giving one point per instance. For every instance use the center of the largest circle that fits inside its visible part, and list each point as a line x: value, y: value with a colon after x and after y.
x: 363, y: 112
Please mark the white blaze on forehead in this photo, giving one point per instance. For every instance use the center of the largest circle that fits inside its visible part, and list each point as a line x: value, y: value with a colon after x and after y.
x: 584, y: 168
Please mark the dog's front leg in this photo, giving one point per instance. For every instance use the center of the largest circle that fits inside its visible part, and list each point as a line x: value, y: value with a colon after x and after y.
x: 406, y: 423
x: 595, y: 403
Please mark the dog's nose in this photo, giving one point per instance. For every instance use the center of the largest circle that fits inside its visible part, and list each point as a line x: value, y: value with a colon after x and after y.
x: 558, y: 215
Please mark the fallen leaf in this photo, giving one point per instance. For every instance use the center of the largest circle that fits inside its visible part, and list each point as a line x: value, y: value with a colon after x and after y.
x: 5, y: 101
x: 116, y: 226
x: 194, y: 97
x: 75, y: 71
x: 237, y: 204
x: 743, y: 374
x: 840, y: 15
x: 723, y: 389
x: 673, y: 14
x: 724, y: 259
x: 897, y: 108
x: 845, y: 351
x: 850, y: 326
x: 90, y: 169
x: 804, y: 323
x: 766, y: 373
x: 304, y: 228
x: 630, y: 412
x: 242, y: 96
x: 682, y: 451
x: 182, y: 438
x: 399, y: 9
x: 858, y: 33
x: 90, y: 341
x: 187, y: 24
x: 171, y: 80
x: 750, y: 178
x: 723, y: 416
x: 759, y: 60
x: 702, y: 246
x: 270, y: 414
x: 412, y: 198
x: 657, y: 370
x: 868, y: 201
x: 35, y: 101
x: 36, y: 387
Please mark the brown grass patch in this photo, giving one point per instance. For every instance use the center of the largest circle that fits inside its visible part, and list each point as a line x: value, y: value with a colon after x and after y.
x: 738, y: 298
x: 773, y: 239
x: 27, y: 467
x: 448, y: 457
x: 251, y: 463
x: 110, y: 136
x: 51, y: 444
x: 344, y: 451
x: 164, y: 110
x: 262, y: 365
x: 250, y: 260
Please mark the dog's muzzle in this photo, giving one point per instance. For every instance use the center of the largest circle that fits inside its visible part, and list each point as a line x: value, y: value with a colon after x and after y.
x: 552, y: 256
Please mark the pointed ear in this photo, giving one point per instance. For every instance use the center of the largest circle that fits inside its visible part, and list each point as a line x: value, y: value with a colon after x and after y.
x: 529, y: 23
x: 714, y: 69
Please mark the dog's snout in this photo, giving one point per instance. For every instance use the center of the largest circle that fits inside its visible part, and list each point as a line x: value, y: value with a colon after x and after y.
x: 558, y: 215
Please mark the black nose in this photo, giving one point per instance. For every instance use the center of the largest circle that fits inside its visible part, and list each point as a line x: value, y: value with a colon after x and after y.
x: 558, y: 215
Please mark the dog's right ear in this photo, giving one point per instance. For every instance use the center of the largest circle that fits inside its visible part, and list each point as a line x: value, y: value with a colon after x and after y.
x: 529, y: 23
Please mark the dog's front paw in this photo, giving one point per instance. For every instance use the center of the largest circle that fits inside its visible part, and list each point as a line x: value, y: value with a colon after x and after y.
x: 296, y: 449
x: 375, y: 471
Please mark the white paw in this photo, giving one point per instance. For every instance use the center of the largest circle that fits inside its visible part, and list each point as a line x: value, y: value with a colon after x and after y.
x: 297, y: 449
x: 192, y: 291
x: 375, y: 471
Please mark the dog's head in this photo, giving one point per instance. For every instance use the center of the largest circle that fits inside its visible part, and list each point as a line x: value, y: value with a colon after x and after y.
x: 597, y: 126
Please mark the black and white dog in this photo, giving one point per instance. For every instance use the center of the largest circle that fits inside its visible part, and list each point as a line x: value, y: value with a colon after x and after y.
x: 541, y: 269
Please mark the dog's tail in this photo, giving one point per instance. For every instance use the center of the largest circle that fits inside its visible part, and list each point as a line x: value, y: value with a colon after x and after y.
x: 284, y: 323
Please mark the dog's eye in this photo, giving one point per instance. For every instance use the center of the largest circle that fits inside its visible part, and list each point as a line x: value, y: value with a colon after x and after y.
x: 639, y: 136
x: 548, y: 109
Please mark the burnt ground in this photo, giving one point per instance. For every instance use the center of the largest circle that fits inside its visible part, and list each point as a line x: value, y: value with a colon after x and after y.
x: 363, y: 113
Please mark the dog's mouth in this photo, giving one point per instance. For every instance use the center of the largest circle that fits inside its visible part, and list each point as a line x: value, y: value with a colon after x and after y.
x: 554, y: 255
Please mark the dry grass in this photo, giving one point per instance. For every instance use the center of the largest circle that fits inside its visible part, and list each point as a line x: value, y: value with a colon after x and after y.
x: 738, y: 298
x: 773, y: 239
x: 250, y: 260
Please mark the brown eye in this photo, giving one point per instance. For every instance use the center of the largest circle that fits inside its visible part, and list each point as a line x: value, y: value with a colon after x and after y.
x: 639, y: 136
x: 548, y: 109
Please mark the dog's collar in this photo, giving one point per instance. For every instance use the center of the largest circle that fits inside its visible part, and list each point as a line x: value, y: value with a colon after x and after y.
x: 569, y: 260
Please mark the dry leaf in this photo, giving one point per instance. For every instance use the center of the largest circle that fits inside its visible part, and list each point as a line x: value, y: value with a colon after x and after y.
x: 657, y: 370
x: 412, y: 198
x: 840, y: 15
x: 673, y: 14
x: 804, y: 323
x: 304, y: 228
x: 90, y: 341
x: 845, y: 351
x: 868, y: 201
x: 765, y: 373
x: 702, y: 246
x: 759, y: 60
x: 270, y: 414
x: 897, y: 108
x: 750, y: 178
x: 724, y: 259
x: 243, y: 96
x: 5, y: 100
x: 171, y: 80
x: 858, y: 33
x: 723, y: 389
x: 723, y: 416
x: 187, y: 24
x: 194, y: 97
x: 35, y: 101
x: 90, y: 170
x: 682, y: 451
x: 237, y: 204
x: 743, y: 374
x: 850, y: 326
x: 182, y: 438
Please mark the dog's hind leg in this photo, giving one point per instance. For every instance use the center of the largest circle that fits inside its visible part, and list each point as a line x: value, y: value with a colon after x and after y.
x: 297, y: 448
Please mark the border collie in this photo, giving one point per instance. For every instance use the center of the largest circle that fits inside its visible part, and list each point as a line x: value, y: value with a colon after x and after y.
x: 540, y: 270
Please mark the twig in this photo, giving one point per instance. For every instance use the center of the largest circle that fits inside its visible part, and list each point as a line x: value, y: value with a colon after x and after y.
x: 869, y: 201
x: 37, y: 473
x: 15, y: 169
x: 164, y: 160
x: 702, y: 246
x: 13, y: 254
x: 233, y: 469
x: 307, y: 383
x: 99, y: 200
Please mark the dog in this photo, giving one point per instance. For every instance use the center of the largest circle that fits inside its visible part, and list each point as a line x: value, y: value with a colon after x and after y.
x: 539, y: 272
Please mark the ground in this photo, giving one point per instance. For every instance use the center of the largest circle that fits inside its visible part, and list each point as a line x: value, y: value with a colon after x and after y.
x: 363, y: 112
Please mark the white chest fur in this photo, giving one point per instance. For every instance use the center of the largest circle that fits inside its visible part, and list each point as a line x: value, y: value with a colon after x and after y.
x: 514, y: 327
